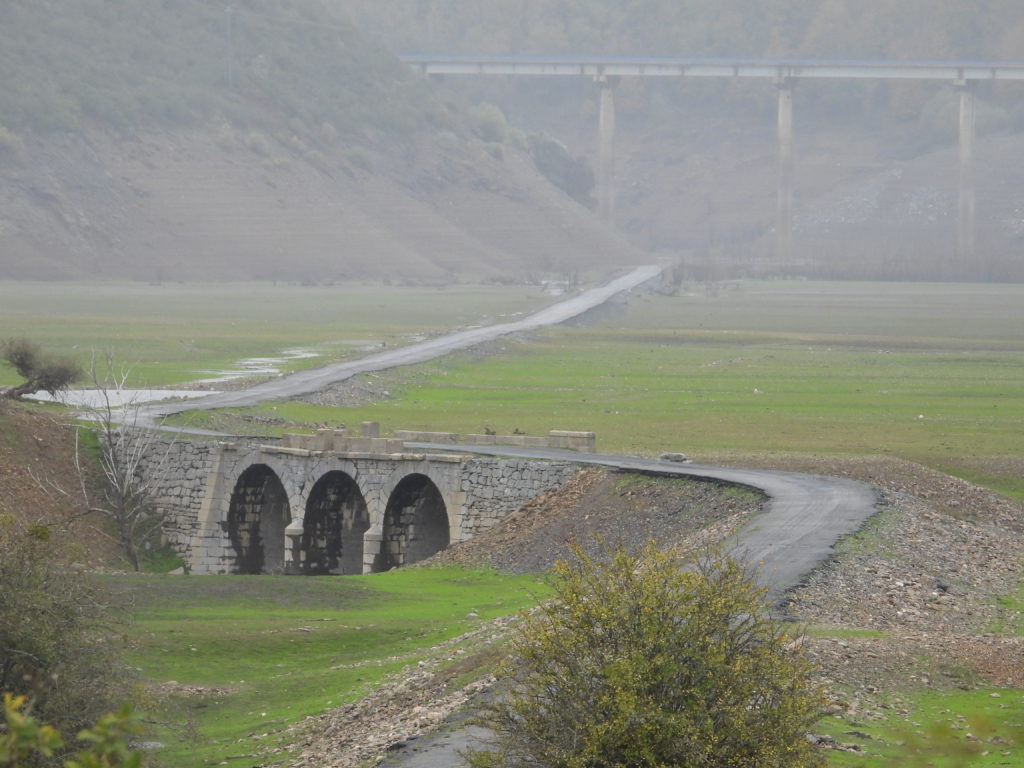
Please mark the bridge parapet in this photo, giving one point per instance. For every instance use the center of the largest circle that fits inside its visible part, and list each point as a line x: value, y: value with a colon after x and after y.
x: 414, y: 436
x: 556, y: 438
x: 342, y: 441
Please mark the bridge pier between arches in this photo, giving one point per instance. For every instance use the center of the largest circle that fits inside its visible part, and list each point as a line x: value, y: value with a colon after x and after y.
x: 373, y: 544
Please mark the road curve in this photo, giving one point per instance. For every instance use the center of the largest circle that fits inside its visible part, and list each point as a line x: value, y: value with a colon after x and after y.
x: 318, y: 379
x: 794, y: 533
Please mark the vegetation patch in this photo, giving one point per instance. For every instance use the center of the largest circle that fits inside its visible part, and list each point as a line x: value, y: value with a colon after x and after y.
x: 934, y: 374
x: 230, y: 661
x: 948, y: 728
x: 174, y: 334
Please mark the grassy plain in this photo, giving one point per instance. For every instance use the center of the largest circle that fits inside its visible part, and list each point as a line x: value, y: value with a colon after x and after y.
x: 954, y: 728
x: 175, y: 333
x: 235, y: 659
x: 932, y: 373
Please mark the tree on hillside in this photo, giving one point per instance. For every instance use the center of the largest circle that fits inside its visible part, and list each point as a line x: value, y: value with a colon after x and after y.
x: 638, y: 662
x: 42, y: 372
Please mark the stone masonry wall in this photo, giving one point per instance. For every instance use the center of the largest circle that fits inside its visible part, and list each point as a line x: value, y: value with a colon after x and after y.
x: 490, y: 489
x: 495, y: 488
x: 180, y: 470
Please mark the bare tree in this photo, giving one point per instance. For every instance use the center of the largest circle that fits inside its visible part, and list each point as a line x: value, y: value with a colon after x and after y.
x: 133, y: 462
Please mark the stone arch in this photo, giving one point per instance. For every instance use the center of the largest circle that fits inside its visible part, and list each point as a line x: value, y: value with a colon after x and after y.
x: 415, y: 523
x: 333, y: 527
x: 257, y: 516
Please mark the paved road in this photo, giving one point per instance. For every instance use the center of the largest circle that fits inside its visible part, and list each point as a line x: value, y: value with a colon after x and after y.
x: 318, y: 379
x: 790, y: 537
x: 795, y: 532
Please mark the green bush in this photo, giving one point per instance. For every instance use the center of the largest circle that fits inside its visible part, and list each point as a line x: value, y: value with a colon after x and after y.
x: 23, y: 740
x: 489, y: 123
x: 58, y: 647
x: 638, y: 662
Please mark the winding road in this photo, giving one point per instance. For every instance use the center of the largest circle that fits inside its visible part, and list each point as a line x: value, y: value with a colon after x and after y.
x: 318, y: 379
x: 793, y: 534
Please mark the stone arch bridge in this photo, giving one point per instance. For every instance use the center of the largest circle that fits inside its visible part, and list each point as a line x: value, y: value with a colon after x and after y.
x: 334, y: 503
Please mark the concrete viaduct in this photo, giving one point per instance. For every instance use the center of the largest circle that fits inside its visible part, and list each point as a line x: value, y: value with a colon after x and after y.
x: 337, y: 502
x: 784, y: 73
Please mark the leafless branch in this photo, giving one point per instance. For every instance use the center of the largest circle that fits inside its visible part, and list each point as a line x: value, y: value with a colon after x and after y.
x: 129, y: 461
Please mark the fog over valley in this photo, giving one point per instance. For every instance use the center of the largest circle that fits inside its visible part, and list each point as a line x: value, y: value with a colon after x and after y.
x: 285, y: 141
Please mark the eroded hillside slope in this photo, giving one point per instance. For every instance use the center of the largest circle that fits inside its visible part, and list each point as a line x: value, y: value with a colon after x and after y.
x: 271, y: 140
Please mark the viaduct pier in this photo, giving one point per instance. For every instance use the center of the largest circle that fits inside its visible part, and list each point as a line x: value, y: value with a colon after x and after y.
x: 606, y: 71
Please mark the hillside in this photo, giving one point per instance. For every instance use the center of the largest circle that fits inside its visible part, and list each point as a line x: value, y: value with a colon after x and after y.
x: 173, y: 205
x: 40, y: 483
x: 168, y: 141
x: 283, y: 140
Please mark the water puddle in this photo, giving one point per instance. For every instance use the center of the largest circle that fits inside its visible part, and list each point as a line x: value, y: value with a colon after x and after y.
x: 98, y: 398
x: 256, y: 366
x: 116, y: 398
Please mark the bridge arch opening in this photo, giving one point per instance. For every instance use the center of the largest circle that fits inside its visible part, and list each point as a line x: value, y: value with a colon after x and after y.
x: 333, y: 527
x: 257, y: 517
x: 415, y: 524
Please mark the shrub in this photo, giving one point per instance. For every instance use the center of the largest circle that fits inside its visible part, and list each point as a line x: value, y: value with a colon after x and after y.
x: 23, y: 740
x: 639, y: 662
x: 489, y: 123
x: 57, y: 644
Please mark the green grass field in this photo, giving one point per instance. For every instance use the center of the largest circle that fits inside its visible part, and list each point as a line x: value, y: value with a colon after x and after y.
x: 171, y: 334
x: 271, y: 650
x: 952, y: 728
x: 933, y: 373
x: 930, y: 373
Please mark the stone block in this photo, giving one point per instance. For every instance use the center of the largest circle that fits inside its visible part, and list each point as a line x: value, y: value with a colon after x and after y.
x: 575, y: 441
x: 413, y: 436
